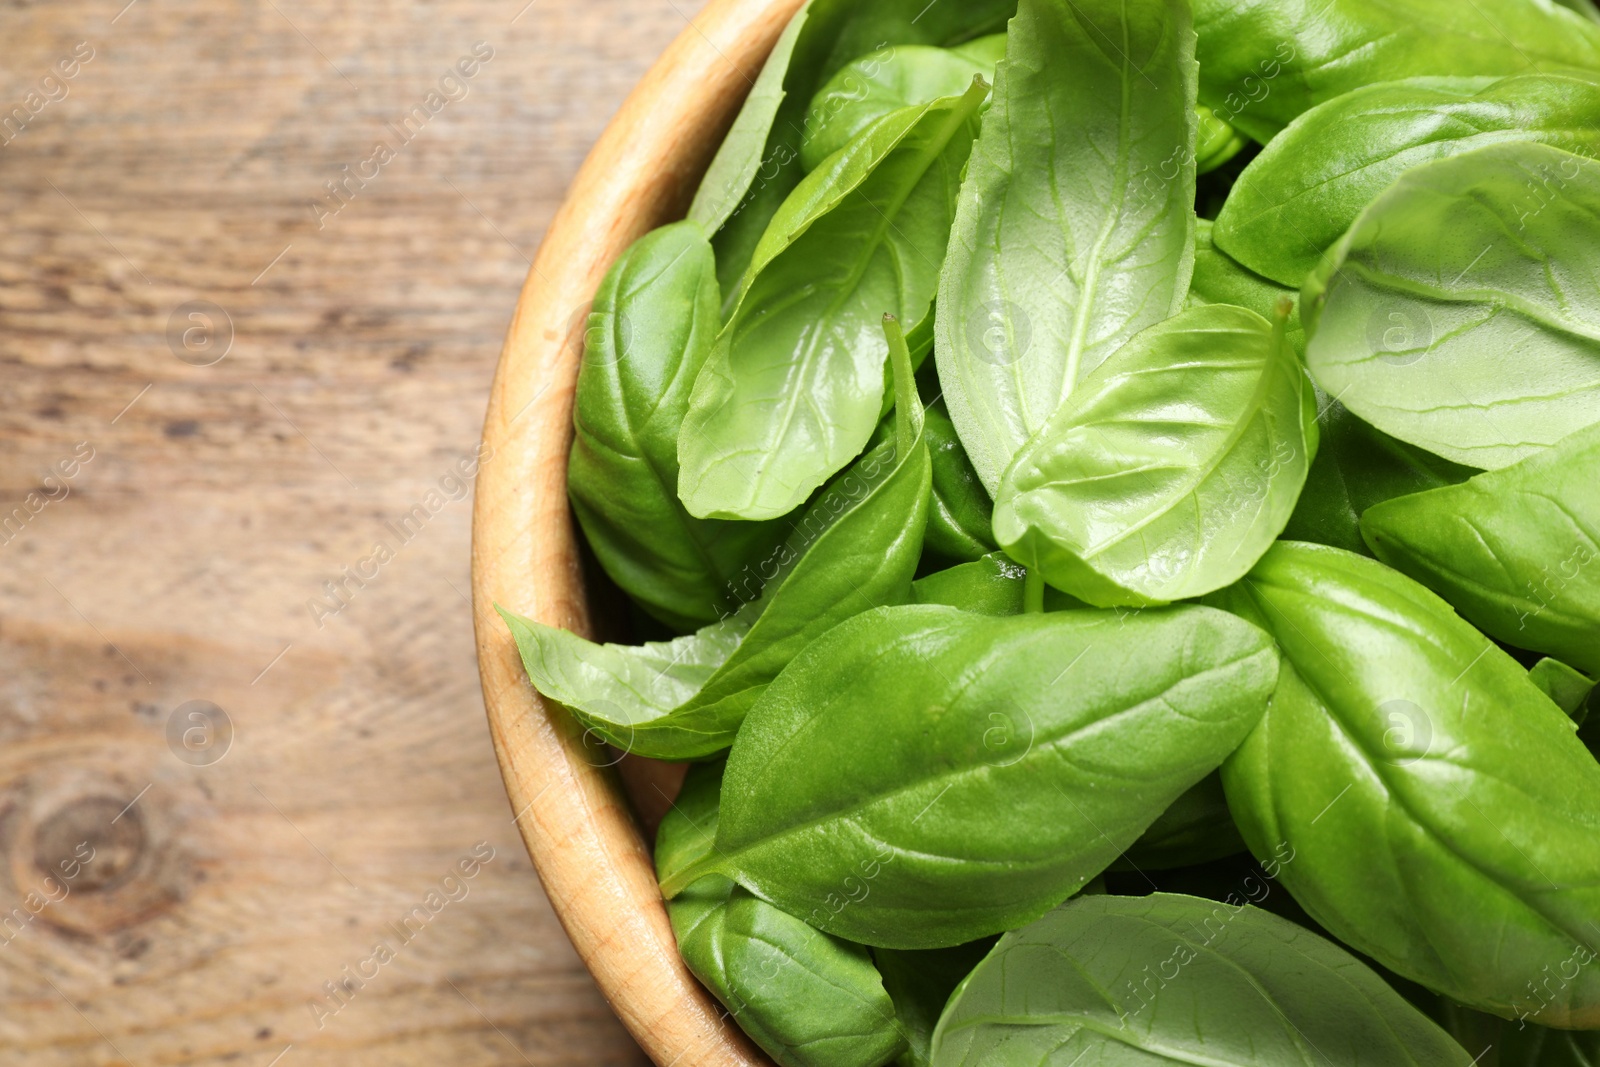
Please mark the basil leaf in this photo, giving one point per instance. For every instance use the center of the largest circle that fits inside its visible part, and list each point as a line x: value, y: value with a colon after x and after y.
x: 1586, y: 8
x: 1197, y: 828
x: 1442, y: 816
x: 795, y: 383
x: 628, y: 694
x: 1075, y: 228
x: 759, y: 165
x: 988, y: 586
x: 1221, y: 279
x: 887, y: 80
x: 855, y: 547
x: 959, y: 512
x: 1459, y: 311
x: 1169, y: 979
x: 688, y: 831
x: 863, y: 559
x: 1568, y: 688
x: 923, y: 776
x: 1171, y: 469
x: 920, y: 983
x: 649, y: 332
x: 1516, y: 551
x: 1303, y: 191
x: 1263, y: 62
x: 1356, y: 468
x: 808, y: 999
x: 744, y: 150
x: 1216, y: 141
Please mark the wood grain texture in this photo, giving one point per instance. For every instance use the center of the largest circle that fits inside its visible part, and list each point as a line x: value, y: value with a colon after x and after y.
x: 178, y: 564
x: 575, y: 818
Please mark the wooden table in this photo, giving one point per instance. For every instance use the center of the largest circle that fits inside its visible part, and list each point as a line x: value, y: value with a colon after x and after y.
x: 224, y: 782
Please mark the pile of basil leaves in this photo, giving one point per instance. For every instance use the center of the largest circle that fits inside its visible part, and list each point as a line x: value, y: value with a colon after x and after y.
x: 1214, y: 615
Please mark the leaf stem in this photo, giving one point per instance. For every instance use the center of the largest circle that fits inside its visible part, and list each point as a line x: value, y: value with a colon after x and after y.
x: 1280, y: 322
x: 683, y: 879
x: 905, y: 388
x: 1033, y: 592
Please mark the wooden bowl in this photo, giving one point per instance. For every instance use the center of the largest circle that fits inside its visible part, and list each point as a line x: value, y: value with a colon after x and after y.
x: 570, y: 806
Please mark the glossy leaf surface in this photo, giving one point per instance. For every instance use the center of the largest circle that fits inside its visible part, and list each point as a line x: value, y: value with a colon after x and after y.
x: 1216, y: 141
x: 1461, y: 312
x: 743, y: 152
x: 756, y: 170
x: 1075, y: 228
x: 649, y: 332
x: 988, y: 586
x: 1567, y: 687
x: 1263, y: 62
x: 808, y: 999
x: 887, y: 80
x: 923, y: 776
x: 960, y: 511
x: 1443, y: 817
x: 1516, y: 551
x: 1171, y: 469
x: 1168, y: 979
x: 992, y: 585
x: 795, y: 383
x: 1298, y: 197
x: 855, y: 547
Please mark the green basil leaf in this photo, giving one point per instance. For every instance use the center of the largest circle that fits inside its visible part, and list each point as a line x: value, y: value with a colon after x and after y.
x: 988, y: 586
x: 1442, y: 816
x: 1171, y: 469
x: 650, y: 329
x: 1299, y: 196
x: 1586, y: 8
x: 808, y: 999
x: 1075, y: 228
x: 688, y: 832
x: 1168, y: 979
x: 901, y: 76
x: 864, y: 559
x: 1356, y: 468
x: 1459, y: 312
x: 855, y: 547
x: 1516, y: 551
x: 1263, y: 62
x: 920, y: 777
x: 795, y: 383
x: 628, y: 694
x: 888, y: 80
x: 1197, y: 828
x: 1221, y: 279
x: 920, y: 983
x: 1216, y: 141
x: 959, y: 512
x: 759, y: 165
x: 1567, y: 687
x: 743, y: 153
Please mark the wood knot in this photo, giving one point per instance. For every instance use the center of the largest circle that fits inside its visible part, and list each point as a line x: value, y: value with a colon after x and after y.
x: 94, y: 842
x: 85, y: 851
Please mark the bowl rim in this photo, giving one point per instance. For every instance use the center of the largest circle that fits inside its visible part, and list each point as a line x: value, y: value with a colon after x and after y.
x: 574, y: 818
